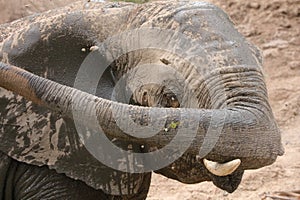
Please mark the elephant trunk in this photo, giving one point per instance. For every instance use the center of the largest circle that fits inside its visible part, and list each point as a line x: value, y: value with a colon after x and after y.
x: 217, y: 134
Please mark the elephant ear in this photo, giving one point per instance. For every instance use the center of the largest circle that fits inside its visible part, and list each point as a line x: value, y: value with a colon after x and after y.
x: 53, y: 45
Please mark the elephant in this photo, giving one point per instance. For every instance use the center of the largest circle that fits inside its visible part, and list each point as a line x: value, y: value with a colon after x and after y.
x: 173, y: 86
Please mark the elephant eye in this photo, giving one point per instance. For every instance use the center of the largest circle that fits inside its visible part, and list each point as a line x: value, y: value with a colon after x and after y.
x: 174, y: 102
x: 170, y: 101
x: 145, y: 99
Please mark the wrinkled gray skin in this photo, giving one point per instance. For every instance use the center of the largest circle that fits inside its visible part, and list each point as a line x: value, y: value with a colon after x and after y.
x: 41, y: 155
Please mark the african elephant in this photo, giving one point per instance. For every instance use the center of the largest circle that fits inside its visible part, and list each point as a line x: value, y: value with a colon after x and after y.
x: 180, y: 69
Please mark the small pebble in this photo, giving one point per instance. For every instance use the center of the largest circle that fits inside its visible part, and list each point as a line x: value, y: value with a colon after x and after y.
x: 294, y: 65
x: 254, y: 5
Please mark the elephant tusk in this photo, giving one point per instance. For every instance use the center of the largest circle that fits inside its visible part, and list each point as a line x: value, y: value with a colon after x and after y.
x: 222, y: 169
x: 94, y: 48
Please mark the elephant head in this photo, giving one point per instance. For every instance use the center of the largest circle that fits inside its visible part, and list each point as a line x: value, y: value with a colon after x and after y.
x: 179, y: 69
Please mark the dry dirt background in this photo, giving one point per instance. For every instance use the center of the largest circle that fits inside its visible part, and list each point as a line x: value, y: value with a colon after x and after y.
x: 274, y: 26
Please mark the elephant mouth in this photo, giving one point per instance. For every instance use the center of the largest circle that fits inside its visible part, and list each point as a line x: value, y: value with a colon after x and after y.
x: 225, y: 176
x: 188, y: 169
x: 230, y: 182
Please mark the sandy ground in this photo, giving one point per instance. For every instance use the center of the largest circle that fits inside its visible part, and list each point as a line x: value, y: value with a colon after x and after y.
x: 274, y: 26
